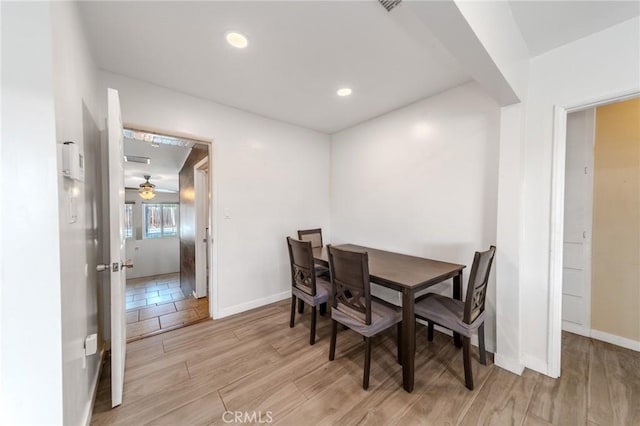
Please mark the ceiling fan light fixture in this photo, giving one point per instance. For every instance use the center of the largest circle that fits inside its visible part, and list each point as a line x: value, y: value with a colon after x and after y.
x: 236, y: 39
x: 147, y: 190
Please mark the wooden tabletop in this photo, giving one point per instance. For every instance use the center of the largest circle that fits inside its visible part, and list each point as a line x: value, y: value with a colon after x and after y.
x: 397, y: 270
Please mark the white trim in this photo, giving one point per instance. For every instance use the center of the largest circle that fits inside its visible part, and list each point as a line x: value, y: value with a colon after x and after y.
x: 623, y: 342
x: 214, y: 292
x: 554, y: 351
x: 574, y: 328
x: 537, y: 364
x: 509, y: 364
x: 242, y: 307
x: 94, y: 390
x: 634, y: 345
x: 554, y: 348
x: 200, y: 184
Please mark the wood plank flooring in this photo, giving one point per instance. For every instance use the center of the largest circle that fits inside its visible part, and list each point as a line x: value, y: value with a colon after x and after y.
x: 253, y: 362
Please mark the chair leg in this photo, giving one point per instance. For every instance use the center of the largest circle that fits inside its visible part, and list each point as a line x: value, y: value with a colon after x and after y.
x: 367, y: 363
x: 332, y: 346
x: 399, y: 341
x: 292, y: 321
x: 430, y: 331
x: 300, y: 306
x: 466, y: 355
x: 323, y: 309
x: 312, y: 338
x: 483, y: 352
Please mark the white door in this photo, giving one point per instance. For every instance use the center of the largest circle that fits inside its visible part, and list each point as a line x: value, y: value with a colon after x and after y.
x: 578, y: 212
x: 117, y: 247
x: 201, y: 190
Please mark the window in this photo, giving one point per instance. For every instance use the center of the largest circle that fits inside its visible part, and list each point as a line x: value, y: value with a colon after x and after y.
x: 128, y: 220
x: 160, y: 220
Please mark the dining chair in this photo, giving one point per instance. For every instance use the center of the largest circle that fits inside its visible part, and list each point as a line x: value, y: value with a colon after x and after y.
x: 305, y: 285
x: 462, y: 317
x: 354, y: 307
x: 315, y: 237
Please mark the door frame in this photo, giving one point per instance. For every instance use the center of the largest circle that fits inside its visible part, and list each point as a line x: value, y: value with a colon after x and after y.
x: 197, y: 177
x: 558, y: 150
x: 213, y: 206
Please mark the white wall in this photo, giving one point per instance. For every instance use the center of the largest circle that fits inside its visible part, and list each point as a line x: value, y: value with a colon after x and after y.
x: 272, y: 177
x: 605, y: 63
x: 422, y: 180
x: 151, y: 256
x: 75, y: 88
x: 509, y: 230
x: 493, y: 23
x: 31, y: 369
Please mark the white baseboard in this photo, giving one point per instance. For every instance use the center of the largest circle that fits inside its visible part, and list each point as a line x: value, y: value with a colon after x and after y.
x: 574, y: 328
x: 232, y: 310
x: 94, y: 387
x: 509, y: 364
x: 634, y: 345
x: 536, y: 364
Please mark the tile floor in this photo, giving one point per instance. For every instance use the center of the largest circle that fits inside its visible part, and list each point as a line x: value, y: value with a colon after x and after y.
x: 157, y: 304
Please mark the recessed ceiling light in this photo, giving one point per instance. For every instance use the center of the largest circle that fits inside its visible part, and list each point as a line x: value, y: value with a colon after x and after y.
x: 236, y: 40
x: 345, y: 91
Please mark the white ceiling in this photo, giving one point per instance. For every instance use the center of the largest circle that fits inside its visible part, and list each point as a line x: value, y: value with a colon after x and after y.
x: 545, y: 25
x: 166, y: 161
x: 299, y: 54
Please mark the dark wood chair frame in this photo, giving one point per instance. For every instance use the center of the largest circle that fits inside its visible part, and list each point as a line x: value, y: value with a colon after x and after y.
x: 301, y: 236
x: 350, y: 295
x: 303, y: 274
x: 475, y: 300
x: 303, y: 232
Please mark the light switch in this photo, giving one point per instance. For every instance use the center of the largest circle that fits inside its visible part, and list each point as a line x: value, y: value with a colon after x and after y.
x: 72, y: 210
x: 91, y: 344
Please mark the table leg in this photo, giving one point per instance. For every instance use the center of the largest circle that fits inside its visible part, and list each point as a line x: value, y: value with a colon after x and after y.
x: 457, y: 294
x: 408, y: 339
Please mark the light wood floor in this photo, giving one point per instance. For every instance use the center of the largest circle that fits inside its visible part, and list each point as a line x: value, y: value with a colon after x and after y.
x: 254, y: 362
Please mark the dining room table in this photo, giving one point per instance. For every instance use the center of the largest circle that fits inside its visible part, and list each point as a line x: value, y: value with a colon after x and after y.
x: 408, y: 275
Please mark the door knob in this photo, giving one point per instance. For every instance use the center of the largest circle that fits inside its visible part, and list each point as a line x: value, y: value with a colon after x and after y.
x: 128, y: 264
x: 102, y: 267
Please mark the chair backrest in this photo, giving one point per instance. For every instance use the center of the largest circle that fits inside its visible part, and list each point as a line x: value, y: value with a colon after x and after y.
x: 350, y: 283
x: 477, y: 287
x: 313, y: 235
x: 303, y: 273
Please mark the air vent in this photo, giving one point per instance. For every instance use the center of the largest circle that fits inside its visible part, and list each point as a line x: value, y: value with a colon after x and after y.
x: 156, y: 140
x: 134, y: 159
x: 389, y: 4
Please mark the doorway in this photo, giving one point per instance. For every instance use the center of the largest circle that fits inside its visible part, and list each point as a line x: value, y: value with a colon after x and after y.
x: 159, y: 222
x: 559, y: 255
